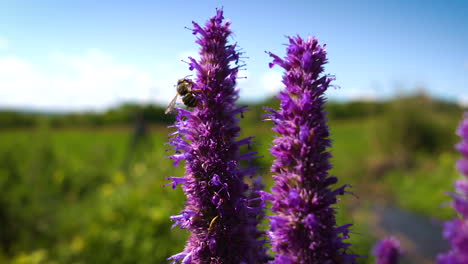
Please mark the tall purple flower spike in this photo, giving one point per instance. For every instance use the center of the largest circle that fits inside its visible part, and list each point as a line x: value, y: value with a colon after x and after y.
x: 303, y: 228
x: 219, y: 214
x: 456, y: 231
x: 387, y: 251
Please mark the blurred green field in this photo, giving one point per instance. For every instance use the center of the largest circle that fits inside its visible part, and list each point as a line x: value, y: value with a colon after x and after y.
x: 95, y: 195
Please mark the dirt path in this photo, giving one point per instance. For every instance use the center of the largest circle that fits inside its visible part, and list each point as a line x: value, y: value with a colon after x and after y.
x: 421, y: 237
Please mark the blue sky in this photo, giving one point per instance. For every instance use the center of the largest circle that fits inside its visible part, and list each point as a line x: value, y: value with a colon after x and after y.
x: 75, y: 55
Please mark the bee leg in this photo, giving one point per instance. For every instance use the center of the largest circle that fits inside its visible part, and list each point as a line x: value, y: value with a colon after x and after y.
x: 212, y: 222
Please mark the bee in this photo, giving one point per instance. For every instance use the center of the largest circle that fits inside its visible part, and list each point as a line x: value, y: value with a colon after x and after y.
x: 213, y: 222
x: 184, y: 89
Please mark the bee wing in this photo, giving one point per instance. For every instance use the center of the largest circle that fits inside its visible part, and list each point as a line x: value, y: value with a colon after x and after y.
x: 171, y: 105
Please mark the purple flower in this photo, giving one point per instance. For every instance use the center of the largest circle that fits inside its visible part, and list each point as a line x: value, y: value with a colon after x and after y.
x: 304, y: 229
x: 387, y: 251
x: 219, y: 211
x: 456, y: 231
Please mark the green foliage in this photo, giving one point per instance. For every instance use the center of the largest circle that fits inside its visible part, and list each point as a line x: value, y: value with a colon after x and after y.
x: 412, y: 125
x: 122, y: 115
x: 353, y: 110
x: 67, y: 200
x: 129, y: 222
x: 425, y: 190
x: 10, y: 119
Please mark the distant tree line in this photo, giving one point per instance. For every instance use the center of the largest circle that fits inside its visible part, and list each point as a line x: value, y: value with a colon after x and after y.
x: 125, y: 114
x: 129, y: 113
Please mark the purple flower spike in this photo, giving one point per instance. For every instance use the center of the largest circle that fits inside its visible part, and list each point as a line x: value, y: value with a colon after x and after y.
x: 387, y: 251
x: 304, y: 228
x: 456, y: 231
x: 220, y: 213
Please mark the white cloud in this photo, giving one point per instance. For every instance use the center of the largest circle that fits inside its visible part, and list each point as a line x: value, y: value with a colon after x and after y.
x: 17, y: 81
x: 353, y: 94
x: 271, y: 82
x: 463, y: 101
x: 361, y: 95
x: 93, y: 80
x: 4, y: 43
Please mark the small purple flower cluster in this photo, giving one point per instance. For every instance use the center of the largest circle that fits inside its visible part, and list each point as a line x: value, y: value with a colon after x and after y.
x: 387, y: 251
x: 456, y: 231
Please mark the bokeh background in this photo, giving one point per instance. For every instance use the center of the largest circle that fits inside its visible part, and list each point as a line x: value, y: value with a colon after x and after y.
x: 84, y: 85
